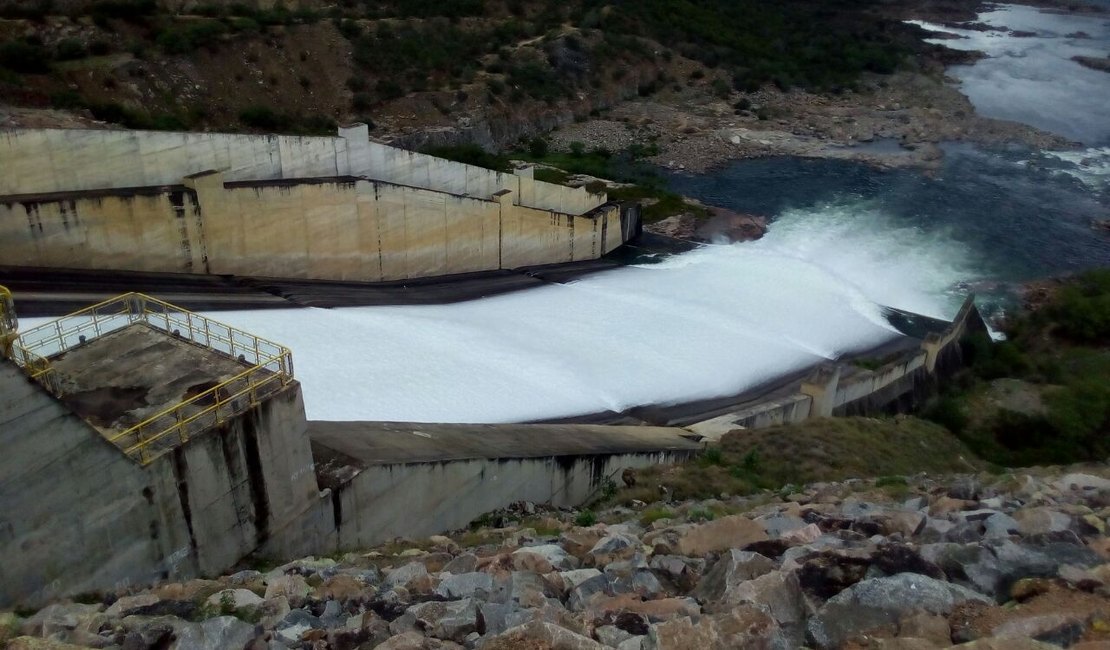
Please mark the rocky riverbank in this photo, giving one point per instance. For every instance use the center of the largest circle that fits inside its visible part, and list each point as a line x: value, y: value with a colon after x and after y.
x: 1012, y: 560
x: 892, y: 121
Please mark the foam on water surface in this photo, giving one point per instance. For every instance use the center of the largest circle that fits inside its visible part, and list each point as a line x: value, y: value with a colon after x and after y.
x: 710, y: 322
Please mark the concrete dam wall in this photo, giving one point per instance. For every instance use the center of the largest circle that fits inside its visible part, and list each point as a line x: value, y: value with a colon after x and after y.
x: 339, y: 208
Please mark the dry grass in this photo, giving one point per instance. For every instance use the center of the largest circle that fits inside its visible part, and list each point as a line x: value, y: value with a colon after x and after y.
x: 821, y: 450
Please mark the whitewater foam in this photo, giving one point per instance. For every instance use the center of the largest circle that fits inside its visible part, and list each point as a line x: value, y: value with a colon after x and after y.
x: 706, y: 323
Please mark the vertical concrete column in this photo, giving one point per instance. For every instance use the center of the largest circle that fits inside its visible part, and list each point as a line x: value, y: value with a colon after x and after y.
x: 821, y: 388
x: 932, y: 345
x: 525, y: 172
x: 210, y: 196
x: 506, y: 216
x: 357, y: 136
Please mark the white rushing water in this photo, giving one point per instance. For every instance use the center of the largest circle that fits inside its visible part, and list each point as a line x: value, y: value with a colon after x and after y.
x: 706, y: 323
x: 1033, y: 79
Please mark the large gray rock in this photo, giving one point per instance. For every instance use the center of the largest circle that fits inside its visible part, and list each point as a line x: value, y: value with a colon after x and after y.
x: 742, y: 627
x: 777, y: 593
x: 581, y: 595
x: 464, y: 563
x: 465, y: 585
x: 719, y: 535
x: 612, y: 548
x: 296, y: 623
x: 58, y: 617
x: 447, y: 620
x: 881, y: 602
x: 544, y: 558
x: 399, y: 577
x: 733, y: 568
x: 682, y: 572
x: 541, y: 634
x: 1034, y: 521
x: 220, y: 633
x: 994, y: 566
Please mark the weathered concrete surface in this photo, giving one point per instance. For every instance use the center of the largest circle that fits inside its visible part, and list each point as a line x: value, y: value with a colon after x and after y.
x: 331, y: 228
x: 395, y: 479
x: 76, y: 515
x: 83, y: 517
x: 386, y: 443
x: 120, y: 379
x: 62, y: 160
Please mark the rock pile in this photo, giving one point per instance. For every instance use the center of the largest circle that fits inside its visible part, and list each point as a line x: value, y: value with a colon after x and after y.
x: 1012, y: 561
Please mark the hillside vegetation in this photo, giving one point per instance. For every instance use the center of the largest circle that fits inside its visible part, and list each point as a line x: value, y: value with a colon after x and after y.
x: 301, y: 68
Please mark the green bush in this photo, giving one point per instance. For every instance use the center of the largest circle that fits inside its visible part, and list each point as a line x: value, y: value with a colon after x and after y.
x: 24, y: 57
x: 1082, y: 310
x: 586, y: 518
x: 264, y: 118
x: 69, y: 49
x: 471, y: 154
x: 183, y: 39
x: 537, y: 147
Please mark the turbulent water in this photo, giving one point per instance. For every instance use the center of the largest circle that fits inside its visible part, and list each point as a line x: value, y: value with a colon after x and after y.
x: 845, y: 239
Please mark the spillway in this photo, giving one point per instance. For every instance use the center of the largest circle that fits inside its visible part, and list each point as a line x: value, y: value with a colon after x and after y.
x: 706, y: 323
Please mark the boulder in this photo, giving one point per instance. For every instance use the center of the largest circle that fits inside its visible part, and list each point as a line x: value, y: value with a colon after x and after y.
x: 779, y: 524
x: 344, y: 588
x: 880, y: 603
x: 401, y: 576
x: 824, y: 575
x: 464, y: 563
x: 34, y: 643
x: 581, y: 594
x: 611, y: 635
x: 1060, y: 629
x: 742, y: 627
x: 447, y: 620
x: 56, y: 617
x: 1077, y: 482
x: 612, y: 548
x: 234, y: 598
x: 777, y: 593
x: 682, y: 572
x: 220, y: 633
x: 541, y: 634
x: 138, y: 604
x: 292, y: 586
x: 719, y: 535
x: 465, y: 585
x: 544, y: 558
x: 416, y: 641
x: 579, y: 541
x: 296, y: 623
x: 1038, y: 520
x: 733, y: 568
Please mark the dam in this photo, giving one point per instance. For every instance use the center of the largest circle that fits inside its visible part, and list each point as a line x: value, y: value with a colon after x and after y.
x: 160, y: 444
x: 317, y: 208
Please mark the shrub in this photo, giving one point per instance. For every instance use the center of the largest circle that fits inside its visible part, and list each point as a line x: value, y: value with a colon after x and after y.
x: 586, y: 518
x: 389, y: 89
x: 537, y: 147
x: 21, y: 56
x: 183, y: 39
x: 263, y: 117
x: 1082, y: 309
x: 69, y: 49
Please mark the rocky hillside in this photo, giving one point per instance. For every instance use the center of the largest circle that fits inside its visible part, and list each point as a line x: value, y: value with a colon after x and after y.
x: 487, y: 71
x: 1011, y: 560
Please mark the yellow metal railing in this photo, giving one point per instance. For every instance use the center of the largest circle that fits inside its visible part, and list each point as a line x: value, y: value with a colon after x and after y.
x: 270, y: 366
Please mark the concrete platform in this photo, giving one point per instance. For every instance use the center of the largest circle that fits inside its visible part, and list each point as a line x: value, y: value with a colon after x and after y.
x: 120, y: 379
x: 341, y: 449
